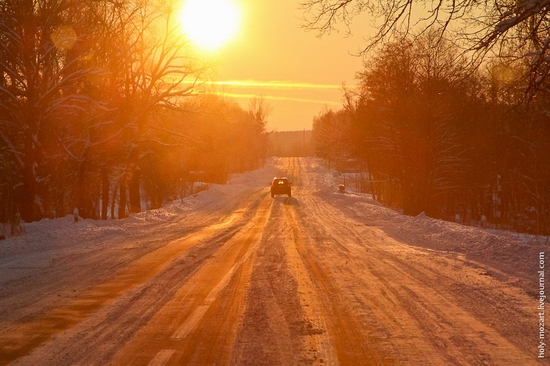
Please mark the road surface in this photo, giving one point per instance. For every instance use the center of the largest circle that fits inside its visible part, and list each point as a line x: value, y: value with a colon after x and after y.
x: 244, y: 279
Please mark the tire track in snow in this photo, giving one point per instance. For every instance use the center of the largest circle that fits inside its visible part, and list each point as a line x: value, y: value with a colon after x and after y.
x: 351, y: 344
x: 198, y: 325
x: 416, y: 317
x: 19, y: 339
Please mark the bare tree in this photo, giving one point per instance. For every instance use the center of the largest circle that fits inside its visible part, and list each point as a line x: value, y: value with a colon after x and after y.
x: 485, y: 27
x: 153, y: 71
x: 42, y: 77
x: 408, y: 120
x: 84, y: 89
x: 259, y: 109
x: 331, y: 137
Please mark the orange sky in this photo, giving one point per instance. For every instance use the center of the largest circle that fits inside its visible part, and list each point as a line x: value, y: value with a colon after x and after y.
x: 297, y: 73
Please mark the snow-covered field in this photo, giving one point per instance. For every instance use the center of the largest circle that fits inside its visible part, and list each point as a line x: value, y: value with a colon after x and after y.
x: 516, y: 253
x: 64, y: 232
x: 320, y: 276
x: 513, y: 253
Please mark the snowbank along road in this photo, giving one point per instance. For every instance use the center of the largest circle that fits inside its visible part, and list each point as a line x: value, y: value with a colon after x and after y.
x: 232, y: 276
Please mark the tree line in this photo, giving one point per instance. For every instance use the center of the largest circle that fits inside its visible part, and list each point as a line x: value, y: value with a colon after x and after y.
x: 290, y: 143
x: 434, y: 134
x: 99, y: 111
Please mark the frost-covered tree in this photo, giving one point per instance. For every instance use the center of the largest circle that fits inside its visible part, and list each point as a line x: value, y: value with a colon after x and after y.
x: 83, y: 90
x: 408, y: 119
x: 440, y: 138
x: 94, y: 111
x: 147, y: 70
x: 42, y: 78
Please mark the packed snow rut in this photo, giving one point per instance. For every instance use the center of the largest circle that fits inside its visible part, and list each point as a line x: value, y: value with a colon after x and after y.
x: 232, y: 276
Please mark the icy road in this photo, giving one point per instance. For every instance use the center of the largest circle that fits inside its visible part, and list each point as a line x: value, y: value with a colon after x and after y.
x: 234, y: 277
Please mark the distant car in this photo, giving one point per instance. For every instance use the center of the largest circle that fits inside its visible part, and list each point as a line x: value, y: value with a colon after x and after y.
x: 280, y: 186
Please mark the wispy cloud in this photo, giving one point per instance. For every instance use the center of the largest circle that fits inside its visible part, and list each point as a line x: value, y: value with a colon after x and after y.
x: 284, y: 91
x: 273, y: 97
x: 275, y: 84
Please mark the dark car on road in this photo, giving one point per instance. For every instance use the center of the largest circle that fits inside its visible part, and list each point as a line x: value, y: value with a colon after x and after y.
x: 280, y: 186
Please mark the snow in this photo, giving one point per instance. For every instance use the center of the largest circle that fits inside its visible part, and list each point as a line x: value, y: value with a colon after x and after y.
x: 510, y: 252
x: 323, y: 267
x: 507, y: 251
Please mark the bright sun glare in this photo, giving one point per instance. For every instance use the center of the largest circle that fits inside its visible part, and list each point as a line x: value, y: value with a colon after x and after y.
x: 210, y: 23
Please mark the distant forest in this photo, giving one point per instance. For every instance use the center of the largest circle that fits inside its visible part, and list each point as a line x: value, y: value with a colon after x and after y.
x: 98, y: 112
x: 291, y: 143
x: 432, y: 134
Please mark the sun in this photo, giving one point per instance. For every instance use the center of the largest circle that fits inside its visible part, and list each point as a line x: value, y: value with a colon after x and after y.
x: 210, y: 24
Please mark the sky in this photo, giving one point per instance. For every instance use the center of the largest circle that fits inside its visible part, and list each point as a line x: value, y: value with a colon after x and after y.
x: 297, y: 73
